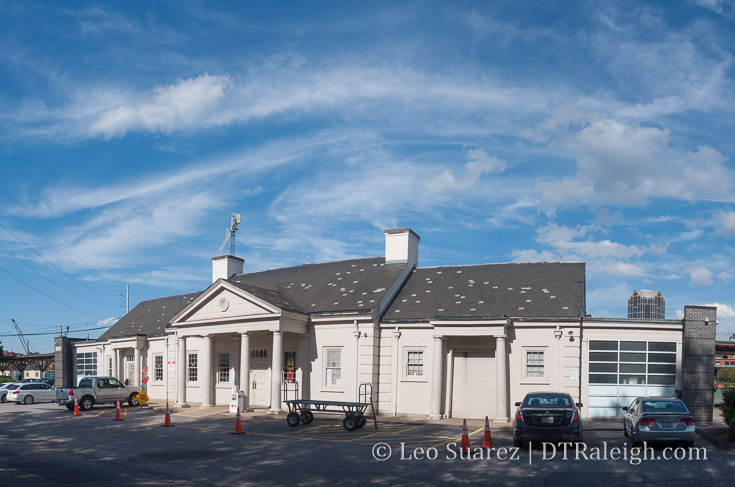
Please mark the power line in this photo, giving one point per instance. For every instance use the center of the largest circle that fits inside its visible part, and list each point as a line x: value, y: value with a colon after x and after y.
x: 43, y: 293
x: 52, y: 264
x: 55, y: 283
x: 81, y: 330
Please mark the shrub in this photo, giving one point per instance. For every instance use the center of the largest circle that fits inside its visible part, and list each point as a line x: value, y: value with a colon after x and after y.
x: 728, y: 410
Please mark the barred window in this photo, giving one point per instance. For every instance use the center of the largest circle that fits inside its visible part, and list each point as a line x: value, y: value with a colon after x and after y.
x: 415, y: 363
x: 192, y: 367
x: 158, y: 368
x: 534, y: 364
x: 224, y: 367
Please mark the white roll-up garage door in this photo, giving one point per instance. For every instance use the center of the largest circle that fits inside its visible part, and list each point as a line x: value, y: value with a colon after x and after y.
x: 473, y: 384
x: 620, y: 371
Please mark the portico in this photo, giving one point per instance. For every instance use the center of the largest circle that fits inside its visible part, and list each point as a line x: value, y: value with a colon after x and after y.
x: 123, y: 357
x: 231, y: 330
x: 466, y: 351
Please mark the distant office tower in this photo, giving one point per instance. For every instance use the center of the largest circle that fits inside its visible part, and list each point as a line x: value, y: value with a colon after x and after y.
x: 647, y: 304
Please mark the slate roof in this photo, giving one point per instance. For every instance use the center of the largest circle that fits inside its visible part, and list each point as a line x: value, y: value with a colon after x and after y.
x: 269, y: 296
x: 331, y: 287
x: 149, y: 317
x: 519, y: 290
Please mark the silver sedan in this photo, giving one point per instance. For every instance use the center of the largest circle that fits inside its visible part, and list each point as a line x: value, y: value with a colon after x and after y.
x: 658, y: 419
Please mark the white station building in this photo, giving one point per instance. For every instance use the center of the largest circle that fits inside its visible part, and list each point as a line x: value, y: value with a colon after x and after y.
x: 455, y: 341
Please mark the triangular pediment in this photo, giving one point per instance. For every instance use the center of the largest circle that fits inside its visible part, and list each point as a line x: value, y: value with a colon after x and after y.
x: 224, y: 302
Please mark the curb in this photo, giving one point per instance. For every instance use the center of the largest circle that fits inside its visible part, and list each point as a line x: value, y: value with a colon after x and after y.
x: 723, y: 445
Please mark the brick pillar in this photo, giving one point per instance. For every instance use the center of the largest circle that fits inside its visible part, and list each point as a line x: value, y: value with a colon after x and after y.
x: 698, y: 361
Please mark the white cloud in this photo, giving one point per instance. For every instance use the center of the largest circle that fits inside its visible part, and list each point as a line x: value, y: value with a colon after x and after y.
x: 564, y: 239
x: 531, y: 255
x: 623, y: 269
x: 700, y: 276
x: 717, y: 6
x: 627, y: 164
x: 724, y: 311
x: 725, y: 223
x: 178, y: 106
x: 479, y: 163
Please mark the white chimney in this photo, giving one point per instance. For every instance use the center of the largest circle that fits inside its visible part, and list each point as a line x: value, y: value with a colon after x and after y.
x: 402, y: 246
x: 225, y: 266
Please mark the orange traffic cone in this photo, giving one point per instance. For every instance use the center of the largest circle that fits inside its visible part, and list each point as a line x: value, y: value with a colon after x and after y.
x: 238, y: 424
x: 487, y: 441
x: 76, y: 406
x: 167, y: 420
x: 465, y: 445
x: 118, y: 413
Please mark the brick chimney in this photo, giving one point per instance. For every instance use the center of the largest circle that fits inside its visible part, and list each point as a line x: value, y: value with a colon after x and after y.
x: 226, y: 266
x: 402, y: 246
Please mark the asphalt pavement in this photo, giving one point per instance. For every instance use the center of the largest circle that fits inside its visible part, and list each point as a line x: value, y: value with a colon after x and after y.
x: 45, y: 445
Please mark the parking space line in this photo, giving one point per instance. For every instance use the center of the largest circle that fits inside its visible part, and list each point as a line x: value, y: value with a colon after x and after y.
x: 200, y: 415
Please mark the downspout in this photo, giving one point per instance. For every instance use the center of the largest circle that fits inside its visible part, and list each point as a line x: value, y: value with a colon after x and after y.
x: 398, y: 366
x: 356, y: 333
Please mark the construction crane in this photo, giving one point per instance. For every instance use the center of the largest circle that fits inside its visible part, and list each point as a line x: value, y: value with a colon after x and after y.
x: 230, y: 235
x: 26, y: 344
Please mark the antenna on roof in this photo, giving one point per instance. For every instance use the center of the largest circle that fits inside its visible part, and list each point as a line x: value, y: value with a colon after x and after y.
x: 230, y: 235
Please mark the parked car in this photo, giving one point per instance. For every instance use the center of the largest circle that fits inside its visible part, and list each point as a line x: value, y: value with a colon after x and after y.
x: 97, y: 390
x: 48, y: 380
x: 4, y: 390
x: 547, y: 416
x: 658, y: 419
x: 31, y: 392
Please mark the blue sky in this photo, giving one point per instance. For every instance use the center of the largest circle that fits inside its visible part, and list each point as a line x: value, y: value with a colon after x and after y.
x: 498, y: 131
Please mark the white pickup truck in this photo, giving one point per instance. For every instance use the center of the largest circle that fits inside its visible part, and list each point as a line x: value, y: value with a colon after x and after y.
x: 97, y: 390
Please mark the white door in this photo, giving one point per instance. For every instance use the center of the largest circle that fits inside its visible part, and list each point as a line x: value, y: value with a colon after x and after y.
x: 130, y: 373
x: 260, y: 388
x: 473, y: 384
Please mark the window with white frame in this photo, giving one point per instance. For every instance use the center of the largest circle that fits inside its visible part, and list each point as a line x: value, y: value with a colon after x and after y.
x: 158, y: 367
x: 333, y: 367
x: 192, y: 368
x: 223, y: 374
x: 86, y: 363
x: 534, y: 364
x: 414, y: 363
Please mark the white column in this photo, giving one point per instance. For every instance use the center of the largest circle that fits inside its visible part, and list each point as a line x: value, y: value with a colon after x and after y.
x: 165, y: 369
x: 119, y: 365
x: 436, y: 379
x: 245, y: 368
x: 206, y: 371
x: 303, y: 360
x: 136, y: 368
x: 181, y: 372
x: 501, y: 374
x: 276, y: 371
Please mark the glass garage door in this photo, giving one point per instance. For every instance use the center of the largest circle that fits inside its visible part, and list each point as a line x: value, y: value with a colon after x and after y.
x: 620, y: 371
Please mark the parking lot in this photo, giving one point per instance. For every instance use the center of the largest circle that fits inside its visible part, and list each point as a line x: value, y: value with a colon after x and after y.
x: 42, y: 444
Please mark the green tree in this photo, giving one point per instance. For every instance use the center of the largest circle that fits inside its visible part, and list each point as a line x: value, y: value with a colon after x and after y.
x: 726, y: 374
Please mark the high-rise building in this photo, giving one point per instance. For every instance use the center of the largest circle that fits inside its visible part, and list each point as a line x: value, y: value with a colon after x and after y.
x: 647, y: 304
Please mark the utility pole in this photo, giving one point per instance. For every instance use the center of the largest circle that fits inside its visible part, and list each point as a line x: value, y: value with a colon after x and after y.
x: 127, y: 299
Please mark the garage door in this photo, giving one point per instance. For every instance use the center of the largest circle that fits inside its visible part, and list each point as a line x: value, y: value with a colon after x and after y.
x: 473, y: 384
x: 620, y: 371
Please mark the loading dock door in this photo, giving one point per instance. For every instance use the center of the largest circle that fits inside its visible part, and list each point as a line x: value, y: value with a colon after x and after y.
x: 473, y: 384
